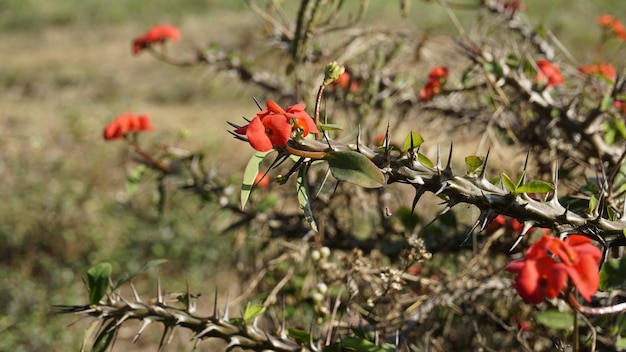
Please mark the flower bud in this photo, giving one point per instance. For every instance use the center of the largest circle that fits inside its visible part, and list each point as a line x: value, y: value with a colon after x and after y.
x: 332, y: 71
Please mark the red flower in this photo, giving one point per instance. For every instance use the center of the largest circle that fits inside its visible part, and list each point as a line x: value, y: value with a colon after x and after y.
x: 156, y: 34
x: 548, y: 264
x: 272, y: 127
x: 604, y: 69
x: 127, y: 123
x: 611, y: 23
x: 436, y: 78
x: 549, y: 74
x: 620, y: 105
x: 344, y: 82
x: 438, y: 73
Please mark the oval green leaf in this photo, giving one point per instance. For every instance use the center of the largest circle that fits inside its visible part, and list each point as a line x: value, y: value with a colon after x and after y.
x: 535, y: 187
x: 613, y: 274
x: 249, y: 175
x: 355, y: 168
x: 302, y: 189
x: 508, y: 183
x: 412, y: 141
x: 473, y: 162
x: 98, y: 281
x: 555, y: 319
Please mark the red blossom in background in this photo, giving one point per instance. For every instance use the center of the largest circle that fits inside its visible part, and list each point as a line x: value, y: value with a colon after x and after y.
x: 611, y: 23
x: 272, y: 127
x: 549, y: 74
x: 127, y: 123
x: 550, y: 262
x: 604, y: 69
x: 156, y: 34
x: 436, y: 78
x: 344, y: 81
x: 620, y: 105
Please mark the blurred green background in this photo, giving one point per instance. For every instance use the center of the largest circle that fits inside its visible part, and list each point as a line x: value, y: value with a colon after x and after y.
x: 66, y: 70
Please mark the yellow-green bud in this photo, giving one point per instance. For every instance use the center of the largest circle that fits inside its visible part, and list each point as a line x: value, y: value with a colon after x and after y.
x: 332, y: 71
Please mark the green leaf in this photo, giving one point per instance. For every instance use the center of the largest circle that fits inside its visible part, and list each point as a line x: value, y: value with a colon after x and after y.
x: 363, y: 345
x: 607, y: 101
x: 593, y: 202
x: 145, y: 267
x: 252, y: 311
x: 520, y: 179
x: 424, y: 160
x: 508, y: 183
x: 473, y: 163
x: 621, y: 343
x: 107, y: 335
x: 302, y: 189
x: 535, y: 187
x: 330, y: 127
x: 494, y: 67
x: 355, y: 168
x: 417, y: 141
x: 249, y: 175
x: 613, y: 274
x: 555, y: 319
x: 300, y: 336
x: 98, y: 281
x: 133, y: 179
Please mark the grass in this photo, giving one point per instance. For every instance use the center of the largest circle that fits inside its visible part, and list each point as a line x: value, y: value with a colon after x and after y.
x: 66, y: 71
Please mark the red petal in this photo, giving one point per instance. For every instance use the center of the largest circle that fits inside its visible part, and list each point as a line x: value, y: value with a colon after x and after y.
x: 586, y: 277
x: 144, y: 123
x: 280, y: 129
x: 273, y: 107
x: 556, y: 280
x: 257, y: 137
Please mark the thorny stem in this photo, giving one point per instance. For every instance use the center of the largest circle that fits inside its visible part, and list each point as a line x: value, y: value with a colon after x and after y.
x: 614, y: 309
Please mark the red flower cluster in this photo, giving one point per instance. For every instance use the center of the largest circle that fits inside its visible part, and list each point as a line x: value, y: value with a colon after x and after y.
x: 613, y: 24
x: 549, y: 74
x: 436, y: 79
x: 510, y: 224
x: 344, y: 82
x: 549, y: 262
x: 127, y: 123
x: 604, y: 69
x: 273, y: 127
x: 156, y: 34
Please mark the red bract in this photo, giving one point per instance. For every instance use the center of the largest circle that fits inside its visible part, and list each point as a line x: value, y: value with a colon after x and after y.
x: 436, y: 78
x: 272, y: 127
x: 604, y: 69
x: 549, y: 74
x: 127, y: 123
x: 156, y: 34
x: 344, y: 82
x: 613, y: 24
x: 549, y: 262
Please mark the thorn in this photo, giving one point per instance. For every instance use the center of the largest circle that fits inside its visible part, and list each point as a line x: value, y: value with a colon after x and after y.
x: 358, y: 139
x: 482, y: 172
x: 238, y: 136
x: 225, y: 316
x: 215, y: 313
x: 481, y: 218
x: 257, y: 103
x: 419, y: 191
x: 135, y: 294
x: 283, y: 331
x: 159, y: 291
x: 144, y: 325
x: 438, y: 164
x: 191, y: 305
x: 235, y: 126
x: 448, y: 165
x: 166, y: 338
x: 521, y: 236
x: 623, y: 217
x: 525, y: 166
x: 443, y: 188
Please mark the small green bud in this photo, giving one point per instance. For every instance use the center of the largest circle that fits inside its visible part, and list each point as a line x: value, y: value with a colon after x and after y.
x: 332, y: 71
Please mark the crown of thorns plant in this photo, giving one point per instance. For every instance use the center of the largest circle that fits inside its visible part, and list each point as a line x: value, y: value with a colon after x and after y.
x: 570, y: 120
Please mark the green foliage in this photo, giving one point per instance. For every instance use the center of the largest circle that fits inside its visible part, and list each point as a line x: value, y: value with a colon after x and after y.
x: 355, y: 168
x: 249, y: 175
x: 613, y: 274
x: 302, y: 189
x: 412, y: 141
x: 98, y: 281
x: 555, y: 319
